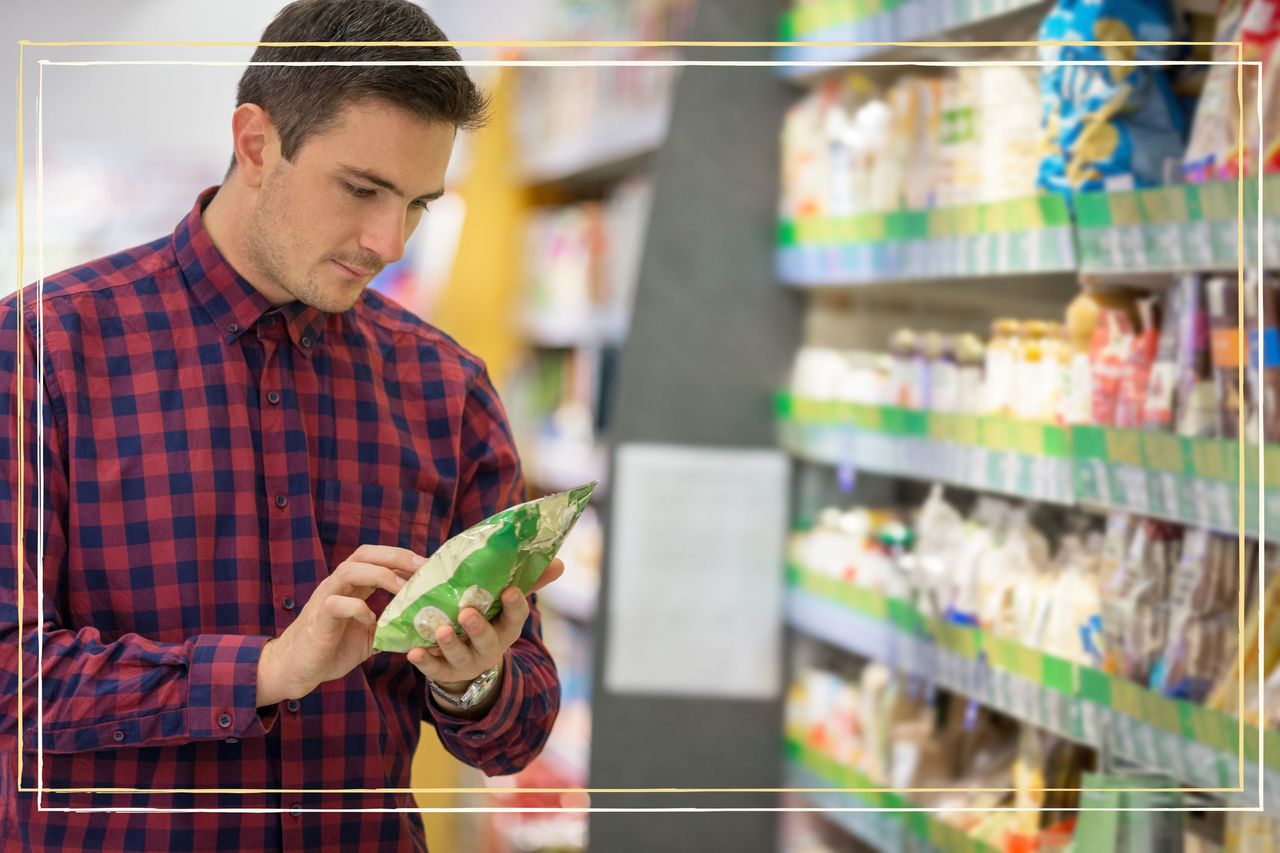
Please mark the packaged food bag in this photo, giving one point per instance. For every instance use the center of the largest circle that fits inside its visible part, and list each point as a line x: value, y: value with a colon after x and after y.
x: 512, y: 548
x: 1108, y: 126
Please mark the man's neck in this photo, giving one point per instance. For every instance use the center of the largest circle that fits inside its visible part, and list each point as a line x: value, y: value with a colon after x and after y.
x: 223, y: 217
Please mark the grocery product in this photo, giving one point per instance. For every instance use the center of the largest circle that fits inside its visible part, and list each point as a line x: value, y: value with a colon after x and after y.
x: 1001, y: 358
x: 1135, y: 609
x: 1109, y: 352
x: 1195, y: 395
x: 1109, y: 126
x: 1263, y: 365
x: 1212, y: 148
x: 471, y: 569
x: 1135, y: 373
x: 1226, y: 346
x: 1162, y: 380
x: 1202, y: 616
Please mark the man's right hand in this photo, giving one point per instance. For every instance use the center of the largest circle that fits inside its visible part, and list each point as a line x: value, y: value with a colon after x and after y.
x: 334, y: 632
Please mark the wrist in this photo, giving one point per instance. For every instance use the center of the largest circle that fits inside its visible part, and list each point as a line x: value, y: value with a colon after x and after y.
x: 468, y: 698
x: 273, y: 688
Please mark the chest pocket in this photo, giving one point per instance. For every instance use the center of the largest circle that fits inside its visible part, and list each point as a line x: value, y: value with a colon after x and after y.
x: 350, y: 514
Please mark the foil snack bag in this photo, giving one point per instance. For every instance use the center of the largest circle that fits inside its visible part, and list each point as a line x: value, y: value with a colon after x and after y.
x: 511, y: 548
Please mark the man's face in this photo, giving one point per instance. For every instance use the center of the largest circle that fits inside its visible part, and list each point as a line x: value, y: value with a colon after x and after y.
x: 326, y: 223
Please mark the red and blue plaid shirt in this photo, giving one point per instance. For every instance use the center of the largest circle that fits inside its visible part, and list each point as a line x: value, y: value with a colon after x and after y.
x: 206, y: 461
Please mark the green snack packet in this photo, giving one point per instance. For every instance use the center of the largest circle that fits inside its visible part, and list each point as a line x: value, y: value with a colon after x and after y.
x: 512, y: 548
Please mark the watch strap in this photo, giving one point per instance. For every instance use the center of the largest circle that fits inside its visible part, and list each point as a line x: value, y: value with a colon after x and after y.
x: 475, y: 693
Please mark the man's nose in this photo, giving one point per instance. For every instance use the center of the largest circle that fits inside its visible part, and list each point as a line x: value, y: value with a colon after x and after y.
x: 385, y: 236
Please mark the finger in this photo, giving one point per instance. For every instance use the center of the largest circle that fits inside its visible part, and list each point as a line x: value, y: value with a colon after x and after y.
x: 400, y: 560
x: 340, y: 607
x: 456, y: 650
x: 515, y: 610
x: 485, y: 640
x: 436, y: 668
x: 553, y: 573
x: 356, y: 578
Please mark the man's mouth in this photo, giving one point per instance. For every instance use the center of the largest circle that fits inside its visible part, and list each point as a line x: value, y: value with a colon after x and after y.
x: 353, y: 272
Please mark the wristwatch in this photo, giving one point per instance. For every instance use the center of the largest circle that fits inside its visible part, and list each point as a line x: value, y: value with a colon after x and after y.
x: 477, y: 691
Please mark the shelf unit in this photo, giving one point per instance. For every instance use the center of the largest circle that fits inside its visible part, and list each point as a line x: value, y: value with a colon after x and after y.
x: 884, y: 821
x: 1025, y: 236
x: 1144, y: 236
x: 1189, y: 481
x: 1148, y: 232
x: 1196, y: 745
x: 1178, y: 228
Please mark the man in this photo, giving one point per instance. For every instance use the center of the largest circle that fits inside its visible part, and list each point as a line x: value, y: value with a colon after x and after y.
x: 245, y: 453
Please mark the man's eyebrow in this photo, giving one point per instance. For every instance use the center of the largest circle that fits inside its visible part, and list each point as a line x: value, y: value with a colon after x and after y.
x: 377, y: 180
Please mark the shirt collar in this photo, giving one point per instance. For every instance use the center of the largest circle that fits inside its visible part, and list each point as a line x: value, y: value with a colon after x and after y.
x: 232, y: 303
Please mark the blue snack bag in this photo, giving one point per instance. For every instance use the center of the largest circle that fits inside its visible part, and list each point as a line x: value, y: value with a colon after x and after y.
x: 1108, y: 124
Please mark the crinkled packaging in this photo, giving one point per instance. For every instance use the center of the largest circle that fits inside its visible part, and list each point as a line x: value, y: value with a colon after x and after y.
x: 512, y: 548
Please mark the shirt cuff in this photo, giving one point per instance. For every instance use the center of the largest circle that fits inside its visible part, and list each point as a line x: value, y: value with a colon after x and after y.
x: 222, y: 701
x: 500, y: 716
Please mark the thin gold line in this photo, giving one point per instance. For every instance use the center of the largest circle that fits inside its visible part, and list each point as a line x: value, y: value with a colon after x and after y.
x: 553, y: 43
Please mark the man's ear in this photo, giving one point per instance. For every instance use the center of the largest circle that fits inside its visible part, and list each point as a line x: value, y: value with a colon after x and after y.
x: 255, y: 143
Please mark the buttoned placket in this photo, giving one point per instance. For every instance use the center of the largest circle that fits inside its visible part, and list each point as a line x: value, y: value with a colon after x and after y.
x: 279, y: 414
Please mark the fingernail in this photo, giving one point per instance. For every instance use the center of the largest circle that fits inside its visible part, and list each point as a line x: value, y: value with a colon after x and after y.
x: 510, y: 595
x: 447, y: 638
x: 471, y: 623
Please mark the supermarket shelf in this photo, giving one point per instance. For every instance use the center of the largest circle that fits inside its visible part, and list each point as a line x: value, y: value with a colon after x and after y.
x: 1010, y: 466
x: 890, y: 828
x: 574, y: 601
x: 912, y: 20
x: 1135, y: 235
x: 605, y: 149
x: 566, y: 331
x: 1192, y: 744
x: 1187, y: 481
x: 1025, y: 236
x: 1177, y: 228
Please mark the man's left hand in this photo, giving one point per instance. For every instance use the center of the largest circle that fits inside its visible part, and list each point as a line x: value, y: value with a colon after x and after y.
x: 456, y: 661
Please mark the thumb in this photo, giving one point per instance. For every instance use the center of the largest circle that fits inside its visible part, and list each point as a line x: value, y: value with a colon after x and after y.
x: 552, y: 573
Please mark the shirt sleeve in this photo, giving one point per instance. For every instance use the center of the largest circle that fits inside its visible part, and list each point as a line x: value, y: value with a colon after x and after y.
x: 516, y: 727
x: 98, y: 693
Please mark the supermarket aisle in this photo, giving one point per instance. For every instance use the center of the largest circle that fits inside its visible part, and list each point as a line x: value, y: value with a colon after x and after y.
x: 1006, y: 325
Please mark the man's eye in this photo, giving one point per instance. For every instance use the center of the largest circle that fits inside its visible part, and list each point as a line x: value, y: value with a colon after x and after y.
x: 420, y: 205
x: 359, y: 192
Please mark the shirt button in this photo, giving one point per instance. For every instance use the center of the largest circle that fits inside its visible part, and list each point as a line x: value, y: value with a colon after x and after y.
x: 296, y: 810
x: 225, y: 721
x: 305, y: 341
x: 273, y: 397
x: 118, y: 735
x: 281, y: 501
x: 293, y: 705
x: 288, y: 603
x: 233, y: 327
x: 233, y: 740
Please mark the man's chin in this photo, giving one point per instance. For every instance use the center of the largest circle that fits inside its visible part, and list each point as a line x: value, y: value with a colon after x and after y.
x: 338, y: 302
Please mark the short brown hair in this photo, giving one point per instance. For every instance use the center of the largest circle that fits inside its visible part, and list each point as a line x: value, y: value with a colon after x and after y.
x: 304, y: 99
